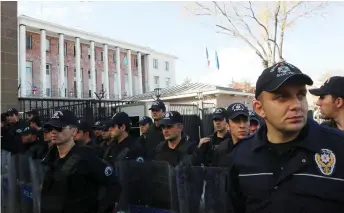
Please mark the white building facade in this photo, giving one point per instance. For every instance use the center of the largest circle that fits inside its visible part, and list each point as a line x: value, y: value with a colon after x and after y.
x: 56, y: 61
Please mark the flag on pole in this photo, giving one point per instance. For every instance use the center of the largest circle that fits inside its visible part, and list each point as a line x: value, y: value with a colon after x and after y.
x: 206, y: 52
x: 217, y: 61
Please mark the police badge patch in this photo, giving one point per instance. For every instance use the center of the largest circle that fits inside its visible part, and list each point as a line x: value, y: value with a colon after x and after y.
x: 108, y: 171
x: 326, y: 161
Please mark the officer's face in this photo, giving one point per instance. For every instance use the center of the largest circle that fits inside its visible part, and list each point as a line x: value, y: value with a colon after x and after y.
x: 12, y: 118
x: 239, y: 127
x: 62, y: 135
x: 106, y: 135
x: 220, y: 125
x: 47, y: 136
x: 80, y: 135
x: 144, y: 128
x: 171, y: 132
x: 29, y: 116
x: 98, y: 133
x: 327, y: 106
x: 116, y: 131
x: 157, y: 114
x: 254, y: 125
x: 26, y: 138
x: 284, y: 110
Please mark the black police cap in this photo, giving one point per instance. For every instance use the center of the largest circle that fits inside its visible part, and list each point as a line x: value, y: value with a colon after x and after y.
x: 277, y: 75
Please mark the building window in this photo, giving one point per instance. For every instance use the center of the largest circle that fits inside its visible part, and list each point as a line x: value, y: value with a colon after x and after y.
x: 47, y: 92
x: 114, y: 58
x: 89, y: 93
x: 65, y: 48
x: 28, y: 42
x: 167, y: 66
x: 155, y: 63
x: 74, y: 72
x: 102, y: 56
x: 89, y: 53
x: 65, y: 71
x: 89, y: 74
x: 168, y: 81
x: 156, y: 81
x: 47, y: 45
x: 126, y: 83
x: 47, y: 69
x: 74, y: 51
x: 135, y: 62
x: 125, y: 60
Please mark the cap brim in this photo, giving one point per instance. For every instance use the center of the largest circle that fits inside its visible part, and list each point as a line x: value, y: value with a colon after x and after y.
x: 167, y: 122
x: 55, y: 123
x: 317, y: 92
x: 143, y: 122
x: 254, y: 119
x: 296, y: 78
x: 154, y: 108
x: 237, y: 114
x: 218, y: 117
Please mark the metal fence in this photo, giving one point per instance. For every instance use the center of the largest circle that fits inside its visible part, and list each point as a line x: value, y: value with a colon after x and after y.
x: 89, y: 109
x: 207, y: 127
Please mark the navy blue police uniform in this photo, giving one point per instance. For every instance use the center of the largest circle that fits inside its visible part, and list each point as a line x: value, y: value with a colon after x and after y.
x: 71, y: 183
x: 154, y: 135
x: 302, y: 175
x: 333, y: 86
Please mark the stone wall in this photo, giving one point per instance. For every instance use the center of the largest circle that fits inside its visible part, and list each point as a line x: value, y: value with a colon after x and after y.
x: 9, y: 55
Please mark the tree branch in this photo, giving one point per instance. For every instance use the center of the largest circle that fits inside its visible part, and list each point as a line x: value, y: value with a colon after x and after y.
x: 278, y: 7
x: 236, y: 32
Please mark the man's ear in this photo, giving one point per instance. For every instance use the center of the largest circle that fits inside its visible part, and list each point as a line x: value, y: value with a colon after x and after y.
x: 258, y: 108
x: 339, y: 102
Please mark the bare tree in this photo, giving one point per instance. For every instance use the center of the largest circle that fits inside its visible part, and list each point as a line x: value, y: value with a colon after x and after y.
x: 261, y: 25
x: 187, y: 81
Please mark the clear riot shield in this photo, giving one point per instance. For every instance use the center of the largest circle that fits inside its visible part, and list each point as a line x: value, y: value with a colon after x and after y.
x: 146, y: 187
x: 202, y: 190
x: 37, y: 175
x: 24, y: 183
x: 8, y: 182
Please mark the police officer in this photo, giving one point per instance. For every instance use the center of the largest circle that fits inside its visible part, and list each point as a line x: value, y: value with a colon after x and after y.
x: 331, y: 101
x: 154, y: 135
x: 35, y: 123
x: 179, y: 153
x: 254, y: 122
x: 97, y: 127
x: 32, y: 113
x: 85, y: 136
x: 208, y: 145
x: 144, y: 123
x: 74, y: 173
x: 238, y: 125
x: 292, y: 163
x: 11, y: 140
x: 106, y: 136
x: 123, y: 146
x: 33, y: 144
x: 175, y: 149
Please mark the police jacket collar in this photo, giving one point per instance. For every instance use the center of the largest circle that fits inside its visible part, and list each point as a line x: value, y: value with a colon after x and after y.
x: 305, y: 140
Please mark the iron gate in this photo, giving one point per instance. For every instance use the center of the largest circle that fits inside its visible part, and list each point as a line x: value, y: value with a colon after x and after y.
x: 90, y: 109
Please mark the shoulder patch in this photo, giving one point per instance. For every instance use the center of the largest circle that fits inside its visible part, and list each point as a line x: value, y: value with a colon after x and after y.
x: 140, y: 160
x: 108, y: 171
x: 326, y: 161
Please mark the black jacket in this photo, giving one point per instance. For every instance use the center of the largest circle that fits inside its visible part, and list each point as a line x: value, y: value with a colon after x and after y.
x: 307, y: 177
x: 128, y: 149
x: 71, y: 184
x: 154, y: 136
x: 11, y: 137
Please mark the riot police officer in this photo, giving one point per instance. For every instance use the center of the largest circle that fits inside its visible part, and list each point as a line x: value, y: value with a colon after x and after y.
x: 291, y: 163
x: 154, y: 135
x: 331, y: 101
x: 85, y: 136
x: 144, y: 123
x: 208, y: 145
x: 11, y: 140
x: 75, y: 173
x: 254, y: 122
x: 123, y: 146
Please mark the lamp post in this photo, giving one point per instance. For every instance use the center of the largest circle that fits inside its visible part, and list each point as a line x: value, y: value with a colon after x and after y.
x: 157, y: 93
